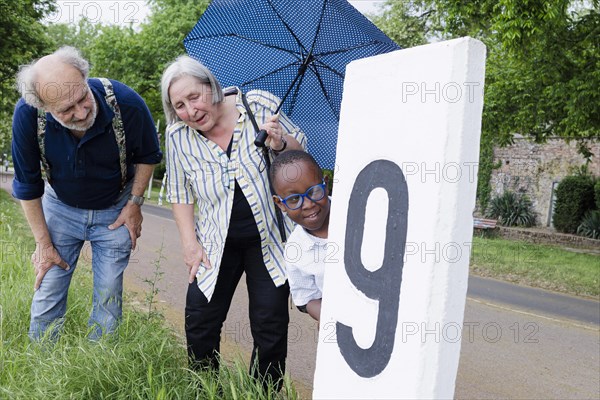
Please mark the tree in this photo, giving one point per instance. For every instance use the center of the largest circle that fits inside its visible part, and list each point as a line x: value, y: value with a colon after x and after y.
x: 405, y: 22
x: 138, y: 57
x: 81, y: 35
x: 23, y: 39
x: 542, y: 68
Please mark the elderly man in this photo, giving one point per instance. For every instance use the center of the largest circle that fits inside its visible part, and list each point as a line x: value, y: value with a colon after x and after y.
x: 97, y: 144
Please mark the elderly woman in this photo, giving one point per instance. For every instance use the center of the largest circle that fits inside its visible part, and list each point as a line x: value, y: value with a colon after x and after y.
x: 212, y: 161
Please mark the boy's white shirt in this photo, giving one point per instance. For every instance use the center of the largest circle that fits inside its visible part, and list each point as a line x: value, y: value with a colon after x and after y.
x: 306, y: 256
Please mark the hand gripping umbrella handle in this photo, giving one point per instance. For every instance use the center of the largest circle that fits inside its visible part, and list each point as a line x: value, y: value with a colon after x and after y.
x: 261, y: 135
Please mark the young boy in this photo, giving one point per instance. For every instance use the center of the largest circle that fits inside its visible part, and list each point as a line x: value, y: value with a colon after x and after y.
x: 301, y: 192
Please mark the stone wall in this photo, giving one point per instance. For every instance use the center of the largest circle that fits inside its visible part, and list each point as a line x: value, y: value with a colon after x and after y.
x: 549, y: 237
x: 536, y: 169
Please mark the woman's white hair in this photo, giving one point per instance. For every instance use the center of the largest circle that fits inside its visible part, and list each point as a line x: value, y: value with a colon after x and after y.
x: 186, y: 66
x: 28, y: 82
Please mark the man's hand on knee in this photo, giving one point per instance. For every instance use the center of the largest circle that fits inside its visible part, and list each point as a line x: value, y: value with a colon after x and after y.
x: 43, y: 258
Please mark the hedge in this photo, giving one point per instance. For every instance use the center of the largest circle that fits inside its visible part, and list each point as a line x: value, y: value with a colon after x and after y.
x: 574, y: 197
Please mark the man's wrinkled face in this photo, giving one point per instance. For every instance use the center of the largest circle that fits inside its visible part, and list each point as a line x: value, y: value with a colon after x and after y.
x: 70, y: 100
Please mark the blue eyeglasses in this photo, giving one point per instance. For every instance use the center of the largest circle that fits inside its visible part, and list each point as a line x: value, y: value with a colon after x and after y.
x: 314, y: 193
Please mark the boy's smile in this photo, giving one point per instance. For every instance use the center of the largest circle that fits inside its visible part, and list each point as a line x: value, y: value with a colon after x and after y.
x: 311, y: 215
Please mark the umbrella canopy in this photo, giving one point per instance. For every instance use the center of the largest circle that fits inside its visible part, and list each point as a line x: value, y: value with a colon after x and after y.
x: 297, y: 50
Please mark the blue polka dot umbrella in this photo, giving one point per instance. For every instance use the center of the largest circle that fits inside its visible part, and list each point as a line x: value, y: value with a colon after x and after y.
x: 296, y: 49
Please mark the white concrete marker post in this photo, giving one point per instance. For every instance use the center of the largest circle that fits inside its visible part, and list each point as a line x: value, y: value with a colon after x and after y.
x: 401, y: 224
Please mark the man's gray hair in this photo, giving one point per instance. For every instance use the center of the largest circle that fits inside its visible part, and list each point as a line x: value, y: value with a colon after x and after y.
x: 186, y: 66
x: 27, y: 78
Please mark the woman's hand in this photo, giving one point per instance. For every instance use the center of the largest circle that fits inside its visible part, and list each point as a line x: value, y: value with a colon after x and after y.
x: 194, y: 254
x: 275, y: 133
x: 195, y: 257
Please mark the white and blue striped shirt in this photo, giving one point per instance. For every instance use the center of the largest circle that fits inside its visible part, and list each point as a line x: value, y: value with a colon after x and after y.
x: 198, y: 170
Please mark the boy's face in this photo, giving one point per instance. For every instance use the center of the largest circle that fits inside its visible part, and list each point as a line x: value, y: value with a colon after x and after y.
x: 296, y: 179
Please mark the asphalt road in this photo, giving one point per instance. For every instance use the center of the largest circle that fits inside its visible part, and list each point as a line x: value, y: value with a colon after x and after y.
x: 517, y: 343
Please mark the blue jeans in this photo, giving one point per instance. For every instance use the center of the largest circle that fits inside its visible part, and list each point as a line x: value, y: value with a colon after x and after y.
x: 69, y: 228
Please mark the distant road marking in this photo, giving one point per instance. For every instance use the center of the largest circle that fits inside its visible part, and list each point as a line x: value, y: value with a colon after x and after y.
x: 566, y: 321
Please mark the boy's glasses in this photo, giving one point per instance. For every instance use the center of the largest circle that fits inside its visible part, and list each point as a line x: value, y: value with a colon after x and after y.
x: 314, y: 193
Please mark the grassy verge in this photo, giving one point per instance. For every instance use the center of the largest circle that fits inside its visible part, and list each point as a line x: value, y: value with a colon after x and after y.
x: 545, y: 266
x: 142, y: 360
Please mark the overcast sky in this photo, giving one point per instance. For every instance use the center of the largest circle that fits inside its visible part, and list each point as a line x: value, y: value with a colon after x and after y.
x: 127, y: 11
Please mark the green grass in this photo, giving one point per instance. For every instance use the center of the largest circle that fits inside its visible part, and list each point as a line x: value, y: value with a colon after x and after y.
x: 143, y: 360
x: 545, y: 266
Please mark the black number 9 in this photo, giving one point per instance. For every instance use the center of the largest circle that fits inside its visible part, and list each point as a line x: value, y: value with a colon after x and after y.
x: 384, y: 283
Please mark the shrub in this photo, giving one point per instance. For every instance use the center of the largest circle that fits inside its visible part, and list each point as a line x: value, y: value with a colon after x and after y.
x: 590, y: 225
x: 511, y: 209
x: 574, y: 197
x: 597, y: 193
x: 160, y: 170
x: 328, y: 173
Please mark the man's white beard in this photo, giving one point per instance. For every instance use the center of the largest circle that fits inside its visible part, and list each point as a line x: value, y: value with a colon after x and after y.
x: 81, y: 125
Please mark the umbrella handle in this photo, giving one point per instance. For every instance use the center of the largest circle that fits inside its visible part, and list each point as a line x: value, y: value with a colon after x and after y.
x: 260, y: 139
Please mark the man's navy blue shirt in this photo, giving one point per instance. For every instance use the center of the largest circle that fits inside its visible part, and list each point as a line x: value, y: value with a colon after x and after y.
x: 85, y: 173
